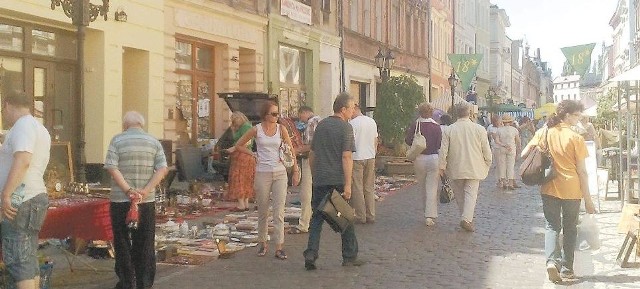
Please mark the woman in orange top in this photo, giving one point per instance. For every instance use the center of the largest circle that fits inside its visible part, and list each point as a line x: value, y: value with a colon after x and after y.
x: 561, y: 196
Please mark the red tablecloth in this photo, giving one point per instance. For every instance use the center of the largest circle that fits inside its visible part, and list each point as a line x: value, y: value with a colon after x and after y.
x: 86, y: 219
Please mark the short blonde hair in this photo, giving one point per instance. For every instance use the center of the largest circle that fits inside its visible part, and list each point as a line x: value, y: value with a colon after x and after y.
x: 425, y: 110
x: 239, y: 116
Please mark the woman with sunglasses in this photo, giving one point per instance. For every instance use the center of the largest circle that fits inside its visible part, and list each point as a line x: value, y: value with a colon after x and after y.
x: 271, y: 175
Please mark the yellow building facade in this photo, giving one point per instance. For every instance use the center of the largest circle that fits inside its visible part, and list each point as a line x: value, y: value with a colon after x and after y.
x: 123, y: 68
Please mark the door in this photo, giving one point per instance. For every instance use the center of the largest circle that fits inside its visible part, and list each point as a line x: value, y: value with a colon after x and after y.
x: 52, y: 87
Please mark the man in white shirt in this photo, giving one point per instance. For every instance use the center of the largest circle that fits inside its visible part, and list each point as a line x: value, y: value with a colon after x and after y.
x: 365, y: 131
x: 24, y: 157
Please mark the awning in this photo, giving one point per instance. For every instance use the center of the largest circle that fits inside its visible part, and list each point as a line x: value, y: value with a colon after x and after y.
x: 444, y: 102
x: 631, y: 74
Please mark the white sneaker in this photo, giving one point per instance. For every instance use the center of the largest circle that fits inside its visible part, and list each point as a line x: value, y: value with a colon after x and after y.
x: 429, y: 222
x: 552, y: 272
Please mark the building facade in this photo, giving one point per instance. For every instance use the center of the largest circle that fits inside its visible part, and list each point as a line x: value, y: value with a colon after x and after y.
x: 442, y: 42
x: 209, y: 47
x: 500, y: 56
x: 566, y: 87
x: 122, y: 69
x: 384, y: 25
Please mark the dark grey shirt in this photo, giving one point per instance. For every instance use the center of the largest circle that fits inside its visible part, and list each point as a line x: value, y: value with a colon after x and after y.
x: 332, y: 137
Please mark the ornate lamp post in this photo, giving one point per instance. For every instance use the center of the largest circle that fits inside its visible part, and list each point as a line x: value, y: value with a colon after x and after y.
x: 384, y: 63
x: 453, y: 82
x: 81, y: 12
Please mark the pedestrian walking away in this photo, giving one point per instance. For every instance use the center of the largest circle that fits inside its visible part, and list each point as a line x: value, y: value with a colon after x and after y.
x: 331, y: 165
x: 562, y: 195
x: 24, y: 156
x: 426, y: 164
x: 306, y: 115
x: 271, y: 175
x: 507, y: 146
x: 363, y: 195
x: 136, y: 162
x: 465, y: 157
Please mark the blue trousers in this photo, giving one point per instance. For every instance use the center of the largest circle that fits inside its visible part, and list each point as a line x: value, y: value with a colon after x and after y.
x: 560, y: 215
x: 349, y: 241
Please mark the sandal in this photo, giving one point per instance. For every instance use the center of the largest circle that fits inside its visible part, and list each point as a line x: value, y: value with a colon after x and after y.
x: 280, y: 254
x: 262, y: 250
x: 295, y: 230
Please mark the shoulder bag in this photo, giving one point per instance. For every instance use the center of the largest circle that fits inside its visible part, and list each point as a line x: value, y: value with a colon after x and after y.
x: 336, y: 211
x: 285, y: 152
x: 418, y: 145
x: 537, y: 167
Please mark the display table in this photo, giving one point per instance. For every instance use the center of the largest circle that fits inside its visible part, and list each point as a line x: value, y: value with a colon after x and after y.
x: 83, y: 218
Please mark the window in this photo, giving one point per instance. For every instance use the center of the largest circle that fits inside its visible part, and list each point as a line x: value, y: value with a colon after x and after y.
x: 292, y: 80
x: 43, y: 43
x: 394, y: 24
x: 366, y: 17
x: 353, y: 15
x: 11, y: 37
x: 378, y: 20
x: 195, y: 86
x: 326, y: 11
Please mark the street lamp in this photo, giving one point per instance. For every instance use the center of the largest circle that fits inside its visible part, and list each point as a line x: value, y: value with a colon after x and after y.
x: 81, y: 12
x: 384, y: 63
x: 453, y: 82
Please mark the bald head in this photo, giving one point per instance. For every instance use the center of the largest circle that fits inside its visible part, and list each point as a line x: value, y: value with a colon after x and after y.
x: 132, y: 119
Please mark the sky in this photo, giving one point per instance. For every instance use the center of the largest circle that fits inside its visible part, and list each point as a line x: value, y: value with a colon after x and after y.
x: 553, y: 24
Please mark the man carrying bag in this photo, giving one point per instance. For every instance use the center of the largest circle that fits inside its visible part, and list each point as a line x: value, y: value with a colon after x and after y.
x: 331, y: 164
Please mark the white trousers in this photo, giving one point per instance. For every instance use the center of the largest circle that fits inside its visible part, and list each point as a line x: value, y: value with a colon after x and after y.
x: 466, y: 194
x: 506, y: 164
x: 306, y: 183
x: 426, y: 170
x: 271, y: 185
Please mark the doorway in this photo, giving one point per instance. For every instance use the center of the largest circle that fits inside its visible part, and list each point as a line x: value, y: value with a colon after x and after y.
x: 52, y: 88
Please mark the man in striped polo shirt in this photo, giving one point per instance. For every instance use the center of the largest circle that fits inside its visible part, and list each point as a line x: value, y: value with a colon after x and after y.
x: 136, y: 162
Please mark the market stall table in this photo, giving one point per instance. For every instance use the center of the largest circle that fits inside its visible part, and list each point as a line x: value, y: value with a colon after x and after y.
x: 79, y: 218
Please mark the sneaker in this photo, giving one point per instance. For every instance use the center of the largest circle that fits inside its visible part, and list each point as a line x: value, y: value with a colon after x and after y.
x: 354, y: 263
x: 553, y: 274
x: 467, y: 226
x: 429, y: 222
x: 309, y: 265
x: 567, y: 275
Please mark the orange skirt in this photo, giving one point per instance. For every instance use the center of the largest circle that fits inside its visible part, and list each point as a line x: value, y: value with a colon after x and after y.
x: 241, y: 174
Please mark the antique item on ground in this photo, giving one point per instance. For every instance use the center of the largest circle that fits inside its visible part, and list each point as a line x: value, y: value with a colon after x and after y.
x: 418, y: 145
x: 337, y: 212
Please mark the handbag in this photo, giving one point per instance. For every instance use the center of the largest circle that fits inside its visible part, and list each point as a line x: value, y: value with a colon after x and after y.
x: 537, y: 167
x: 285, y: 153
x: 337, y: 212
x: 446, y: 192
x: 418, y: 145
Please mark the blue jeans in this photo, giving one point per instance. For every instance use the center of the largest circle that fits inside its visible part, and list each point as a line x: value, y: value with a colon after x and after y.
x: 349, y: 241
x: 20, y: 239
x: 562, y: 215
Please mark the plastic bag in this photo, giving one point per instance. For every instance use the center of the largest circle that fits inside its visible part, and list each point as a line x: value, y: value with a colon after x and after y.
x: 588, y: 233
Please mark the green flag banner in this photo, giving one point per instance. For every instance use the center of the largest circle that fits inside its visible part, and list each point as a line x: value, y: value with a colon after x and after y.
x: 579, y: 57
x: 465, y: 66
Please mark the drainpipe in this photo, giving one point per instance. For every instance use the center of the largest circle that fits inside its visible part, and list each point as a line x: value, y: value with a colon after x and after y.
x: 429, y: 41
x: 341, y: 35
x: 268, y: 55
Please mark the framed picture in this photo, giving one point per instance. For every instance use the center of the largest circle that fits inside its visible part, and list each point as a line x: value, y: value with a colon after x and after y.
x: 59, y: 172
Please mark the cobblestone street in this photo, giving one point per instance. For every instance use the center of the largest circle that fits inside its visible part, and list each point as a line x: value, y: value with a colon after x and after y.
x: 506, y: 251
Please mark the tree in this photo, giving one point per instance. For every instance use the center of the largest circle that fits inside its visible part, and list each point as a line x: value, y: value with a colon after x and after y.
x: 606, y: 101
x: 396, y: 102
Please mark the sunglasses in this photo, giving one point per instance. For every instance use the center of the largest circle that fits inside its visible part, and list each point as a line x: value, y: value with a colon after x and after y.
x: 275, y: 114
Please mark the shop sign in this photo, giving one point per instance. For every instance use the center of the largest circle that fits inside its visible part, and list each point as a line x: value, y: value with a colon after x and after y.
x: 295, y: 10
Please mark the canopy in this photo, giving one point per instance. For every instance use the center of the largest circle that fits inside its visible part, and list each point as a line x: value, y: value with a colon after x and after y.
x: 631, y: 74
x: 545, y: 110
x: 507, y: 107
x: 444, y: 102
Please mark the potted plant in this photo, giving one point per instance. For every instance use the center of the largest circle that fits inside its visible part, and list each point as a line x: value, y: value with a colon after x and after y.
x: 395, y: 108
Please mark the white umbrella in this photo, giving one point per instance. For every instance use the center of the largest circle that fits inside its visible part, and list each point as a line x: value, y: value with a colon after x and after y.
x: 592, y: 111
x: 631, y: 74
